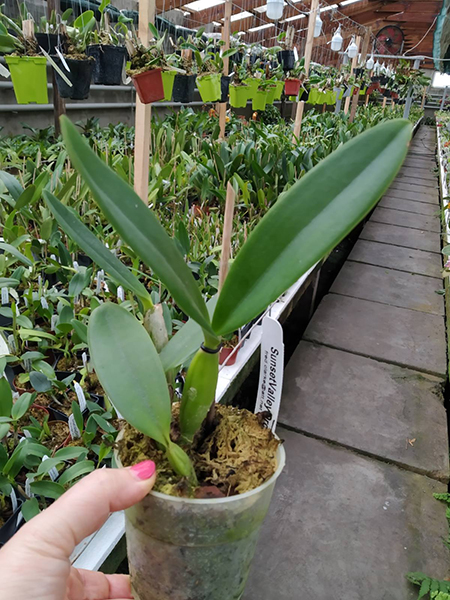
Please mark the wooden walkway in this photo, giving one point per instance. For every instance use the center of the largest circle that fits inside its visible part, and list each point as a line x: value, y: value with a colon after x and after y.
x: 363, y: 418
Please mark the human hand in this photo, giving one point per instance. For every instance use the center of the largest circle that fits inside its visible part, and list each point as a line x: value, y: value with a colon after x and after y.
x: 35, y: 565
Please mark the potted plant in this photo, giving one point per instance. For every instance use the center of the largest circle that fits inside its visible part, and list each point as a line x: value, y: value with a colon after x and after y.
x: 51, y: 32
x: 239, y: 90
x: 198, y: 528
x: 286, y: 55
x: 28, y: 69
x: 184, y: 84
x: 259, y: 99
x: 210, y: 69
x: 294, y: 78
x: 106, y: 46
x: 77, y: 65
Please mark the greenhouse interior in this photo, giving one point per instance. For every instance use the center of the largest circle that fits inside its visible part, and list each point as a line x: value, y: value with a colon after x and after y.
x: 197, y: 403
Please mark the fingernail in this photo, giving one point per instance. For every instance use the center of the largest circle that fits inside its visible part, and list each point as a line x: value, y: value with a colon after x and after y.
x: 144, y: 469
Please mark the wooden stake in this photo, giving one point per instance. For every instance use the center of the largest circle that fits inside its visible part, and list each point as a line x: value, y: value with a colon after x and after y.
x: 28, y: 29
x: 422, y: 104
x: 227, y: 231
x: 367, y: 100
x: 392, y: 105
x: 143, y: 112
x: 59, y: 104
x: 364, y: 48
x: 384, y: 102
x: 226, y: 63
x: 354, y: 65
x: 308, y: 54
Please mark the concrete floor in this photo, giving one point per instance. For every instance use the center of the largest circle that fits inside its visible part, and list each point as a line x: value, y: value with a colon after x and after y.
x: 363, y: 418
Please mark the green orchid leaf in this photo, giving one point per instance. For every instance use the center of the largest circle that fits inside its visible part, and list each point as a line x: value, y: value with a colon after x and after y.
x: 30, y: 508
x: 25, y: 198
x: 309, y: 220
x: 14, y: 252
x: 11, y: 184
x: 94, y: 248
x: 21, y: 405
x: 8, y: 282
x: 129, y: 369
x: 137, y: 225
x: 5, y: 398
x: 80, y: 468
x: 47, y: 489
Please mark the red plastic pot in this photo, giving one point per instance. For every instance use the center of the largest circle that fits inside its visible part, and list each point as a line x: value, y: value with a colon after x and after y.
x: 149, y: 86
x: 373, y: 87
x: 225, y: 353
x: 292, y: 87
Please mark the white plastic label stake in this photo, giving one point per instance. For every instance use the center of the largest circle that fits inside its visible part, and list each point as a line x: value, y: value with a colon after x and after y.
x: 76, y: 266
x: 84, y: 359
x: 75, y: 433
x: 12, y: 344
x: 44, y: 303
x: 26, y: 433
x: 80, y: 395
x: 120, y: 293
x: 13, y: 499
x: 100, y: 278
x: 4, y: 71
x: 53, y: 322
x: 5, y: 295
x: 271, y: 371
x: 53, y: 472
x: 28, y: 491
x: 63, y: 60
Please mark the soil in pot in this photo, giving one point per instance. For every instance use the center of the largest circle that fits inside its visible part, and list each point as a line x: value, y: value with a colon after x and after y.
x: 59, y: 435
x: 92, y: 385
x: 109, y: 63
x: 237, y: 455
x: 183, y: 88
x: 63, y: 403
x: 80, y: 76
x: 6, y: 510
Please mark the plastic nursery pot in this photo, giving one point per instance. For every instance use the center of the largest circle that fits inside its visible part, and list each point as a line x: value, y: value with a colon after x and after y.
x: 314, y: 96
x: 168, y: 79
x: 80, y: 76
x: 149, y: 86
x: 209, y: 87
x: 279, y: 87
x: 29, y: 78
x: 224, y: 88
x: 225, y: 353
x: 49, y: 42
x: 270, y: 97
x: 183, y: 88
x: 259, y: 100
x: 287, y: 59
x: 238, y: 96
x: 109, y: 63
x: 252, y: 83
x: 292, y: 87
x: 199, y: 548
x: 11, y: 525
x: 362, y: 91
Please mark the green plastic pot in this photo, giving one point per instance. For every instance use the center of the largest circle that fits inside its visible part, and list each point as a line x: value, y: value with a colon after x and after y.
x: 271, y: 94
x: 330, y: 97
x: 29, y: 78
x: 209, y: 87
x: 168, y: 78
x: 253, y: 84
x: 314, y: 96
x: 279, y: 87
x: 238, y: 96
x: 259, y: 100
x: 362, y: 91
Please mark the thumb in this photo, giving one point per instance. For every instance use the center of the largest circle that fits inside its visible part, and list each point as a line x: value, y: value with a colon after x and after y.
x: 87, y: 505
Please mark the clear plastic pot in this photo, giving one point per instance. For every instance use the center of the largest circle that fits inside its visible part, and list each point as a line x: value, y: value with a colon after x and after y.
x: 183, y: 549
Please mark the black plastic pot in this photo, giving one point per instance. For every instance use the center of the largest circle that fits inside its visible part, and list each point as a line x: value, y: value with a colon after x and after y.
x: 11, y: 525
x: 109, y: 62
x: 287, y: 59
x: 375, y: 79
x: 304, y: 95
x: 224, y: 88
x: 49, y: 42
x: 384, y: 80
x: 183, y: 88
x: 386, y: 93
x: 5, y: 321
x: 237, y: 58
x: 80, y: 75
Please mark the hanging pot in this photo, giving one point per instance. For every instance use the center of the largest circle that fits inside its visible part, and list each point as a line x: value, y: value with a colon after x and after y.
x: 386, y: 93
x: 149, y: 86
x: 29, y: 78
x: 183, y: 88
x: 252, y: 83
x: 49, y: 42
x: 259, y: 100
x: 286, y: 59
x: 224, y: 88
x: 168, y: 79
x: 271, y: 91
x: 292, y: 87
x: 363, y: 91
x: 314, y: 96
x: 199, y: 548
x: 109, y: 63
x: 279, y: 87
x: 373, y: 87
x: 80, y: 75
x: 238, y: 96
x: 209, y: 87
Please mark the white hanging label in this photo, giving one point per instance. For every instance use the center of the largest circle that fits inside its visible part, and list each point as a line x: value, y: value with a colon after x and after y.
x: 4, y: 71
x: 75, y: 433
x: 80, y: 395
x: 5, y: 295
x: 271, y: 371
x: 120, y: 293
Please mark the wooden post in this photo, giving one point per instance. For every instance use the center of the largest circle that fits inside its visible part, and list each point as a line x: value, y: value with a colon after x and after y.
x: 422, y: 104
x: 392, y: 104
x: 354, y: 64
x: 364, y: 48
x: 308, y: 53
x: 226, y: 63
x: 226, y: 237
x: 367, y: 100
x: 59, y: 104
x: 143, y: 112
x: 384, y: 102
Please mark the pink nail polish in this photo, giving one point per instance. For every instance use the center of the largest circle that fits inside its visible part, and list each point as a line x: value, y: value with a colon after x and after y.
x: 144, y: 469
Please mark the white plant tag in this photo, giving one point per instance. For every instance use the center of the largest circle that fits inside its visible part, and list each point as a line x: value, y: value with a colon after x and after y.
x: 28, y: 491
x: 25, y: 300
x: 63, y: 60
x: 271, y: 371
x: 84, y: 359
x: 5, y: 295
x: 100, y: 277
x: 80, y: 395
x: 4, y: 71
x: 295, y: 54
x: 12, y: 344
x: 13, y: 499
x: 76, y: 266
x: 53, y: 473
x: 53, y: 322
x: 44, y: 303
x: 4, y: 349
x: 120, y: 293
x: 75, y: 433
x: 26, y: 433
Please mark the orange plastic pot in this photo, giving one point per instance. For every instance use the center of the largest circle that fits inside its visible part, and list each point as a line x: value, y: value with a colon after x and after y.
x: 292, y: 87
x: 149, y: 86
